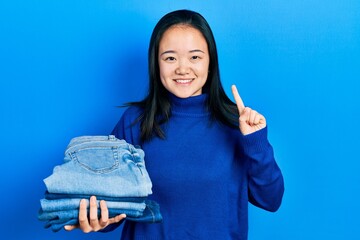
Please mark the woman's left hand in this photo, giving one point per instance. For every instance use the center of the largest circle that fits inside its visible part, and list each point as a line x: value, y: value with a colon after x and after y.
x: 250, y: 120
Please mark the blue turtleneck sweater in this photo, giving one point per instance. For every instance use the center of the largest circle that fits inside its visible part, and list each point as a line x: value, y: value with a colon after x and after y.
x: 203, y: 174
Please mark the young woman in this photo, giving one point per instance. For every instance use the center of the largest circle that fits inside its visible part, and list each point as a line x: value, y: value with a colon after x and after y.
x: 207, y: 156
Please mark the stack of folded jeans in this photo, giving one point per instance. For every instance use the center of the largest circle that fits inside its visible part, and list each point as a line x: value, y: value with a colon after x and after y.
x: 102, y: 166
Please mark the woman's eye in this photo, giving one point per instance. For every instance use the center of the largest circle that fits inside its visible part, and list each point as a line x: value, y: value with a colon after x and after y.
x: 195, y: 57
x: 170, y: 59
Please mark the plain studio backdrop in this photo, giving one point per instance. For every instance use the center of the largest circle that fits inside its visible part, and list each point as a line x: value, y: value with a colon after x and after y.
x: 66, y: 65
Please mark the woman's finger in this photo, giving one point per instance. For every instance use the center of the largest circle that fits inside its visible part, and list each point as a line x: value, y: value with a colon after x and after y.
x: 70, y: 227
x: 252, y: 117
x: 117, y: 218
x: 104, y: 220
x: 83, y: 219
x: 257, y: 119
x: 93, y: 216
x: 245, y: 115
x: 239, y: 102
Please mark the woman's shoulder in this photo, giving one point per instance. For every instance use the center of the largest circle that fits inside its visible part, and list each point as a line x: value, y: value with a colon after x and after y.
x: 132, y: 112
x: 128, y: 127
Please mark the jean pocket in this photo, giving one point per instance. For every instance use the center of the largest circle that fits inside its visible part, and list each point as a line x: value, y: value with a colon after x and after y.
x: 96, y: 159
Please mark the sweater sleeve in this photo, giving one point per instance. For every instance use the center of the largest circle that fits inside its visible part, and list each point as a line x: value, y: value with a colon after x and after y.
x: 265, y: 180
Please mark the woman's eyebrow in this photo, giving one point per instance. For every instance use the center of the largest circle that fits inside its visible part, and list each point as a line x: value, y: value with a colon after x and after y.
x: 172, y: 51
x: 196, y: 50
x: 168, y: 51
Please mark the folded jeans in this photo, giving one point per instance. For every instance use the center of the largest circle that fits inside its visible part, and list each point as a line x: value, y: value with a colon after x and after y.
x: 151, y: 214
x: 53, y: 196
x: 73, y: 203
x: 97, y: 165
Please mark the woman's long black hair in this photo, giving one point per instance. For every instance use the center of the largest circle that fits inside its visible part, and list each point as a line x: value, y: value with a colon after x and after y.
x: 156, y: 105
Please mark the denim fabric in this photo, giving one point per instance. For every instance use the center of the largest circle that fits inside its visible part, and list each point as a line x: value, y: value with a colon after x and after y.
x: 57, y: 225
x: 73, y: 203
x: 57, y: 221
x: 151, y: 213
x: 106, y: 167
x: 101, y: 165
x: 74, y: 213
x: 55, y: 196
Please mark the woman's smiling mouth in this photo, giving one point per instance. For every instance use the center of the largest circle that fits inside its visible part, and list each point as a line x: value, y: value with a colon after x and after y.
x: 183, y: 81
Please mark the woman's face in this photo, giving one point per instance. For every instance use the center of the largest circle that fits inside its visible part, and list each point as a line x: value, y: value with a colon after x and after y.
x: 183, y: 61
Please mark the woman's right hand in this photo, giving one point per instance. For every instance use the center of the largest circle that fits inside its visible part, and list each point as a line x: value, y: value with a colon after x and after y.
x: 93, y: 223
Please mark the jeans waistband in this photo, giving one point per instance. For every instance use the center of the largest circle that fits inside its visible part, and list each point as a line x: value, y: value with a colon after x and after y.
x: 53, y: 196
x: 74, y: 203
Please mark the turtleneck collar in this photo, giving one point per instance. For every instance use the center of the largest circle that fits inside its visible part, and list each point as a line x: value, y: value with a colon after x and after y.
x: 191, y: 106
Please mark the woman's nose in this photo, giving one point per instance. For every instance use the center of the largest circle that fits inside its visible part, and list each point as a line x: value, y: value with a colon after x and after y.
x: 182, y: 68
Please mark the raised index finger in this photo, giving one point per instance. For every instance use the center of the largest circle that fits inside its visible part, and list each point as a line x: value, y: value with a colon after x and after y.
x: 239, y: 103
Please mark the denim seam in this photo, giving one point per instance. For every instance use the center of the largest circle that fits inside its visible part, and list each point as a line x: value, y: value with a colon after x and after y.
x: 133, y: 158
x: 111, y: 143
x: 152, y: 214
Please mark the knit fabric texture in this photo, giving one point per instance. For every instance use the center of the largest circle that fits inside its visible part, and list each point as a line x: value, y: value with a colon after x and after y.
x: 203, y: 173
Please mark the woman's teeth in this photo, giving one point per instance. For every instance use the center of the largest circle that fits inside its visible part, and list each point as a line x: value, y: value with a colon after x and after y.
x: 183, y: 81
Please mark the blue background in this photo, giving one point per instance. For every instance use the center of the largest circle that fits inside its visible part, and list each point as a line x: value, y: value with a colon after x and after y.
x: 65, y: 66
